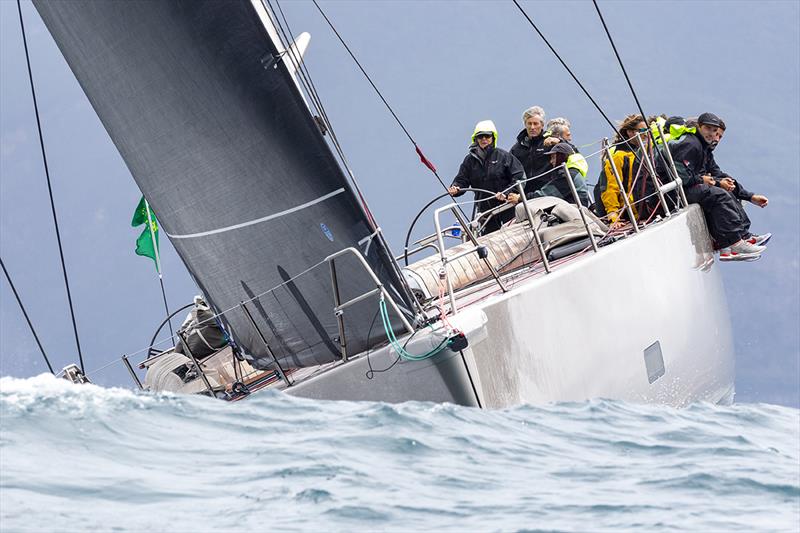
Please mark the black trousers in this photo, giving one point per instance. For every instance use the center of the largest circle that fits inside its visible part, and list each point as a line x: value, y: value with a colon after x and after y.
x: 742, y: 214
x: 723, y: 213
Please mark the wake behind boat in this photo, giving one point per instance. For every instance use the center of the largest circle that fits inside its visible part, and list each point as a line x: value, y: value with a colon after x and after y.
x: 205, y: 103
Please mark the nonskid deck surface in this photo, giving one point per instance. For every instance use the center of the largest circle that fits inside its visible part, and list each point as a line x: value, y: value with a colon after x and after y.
x: 481, y: 291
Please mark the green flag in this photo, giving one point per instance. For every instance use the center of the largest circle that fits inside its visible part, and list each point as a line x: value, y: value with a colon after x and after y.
x: 147, y: 243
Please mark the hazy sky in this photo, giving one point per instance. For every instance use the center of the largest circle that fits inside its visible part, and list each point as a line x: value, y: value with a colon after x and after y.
x: 443, y: 66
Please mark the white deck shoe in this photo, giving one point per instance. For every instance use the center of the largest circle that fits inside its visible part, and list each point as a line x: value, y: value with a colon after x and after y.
x: 744, y: 247
x: 741, y: 251
x: 760, y: 240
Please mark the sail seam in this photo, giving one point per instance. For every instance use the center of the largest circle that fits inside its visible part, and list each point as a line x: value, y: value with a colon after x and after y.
x: 258, y: 220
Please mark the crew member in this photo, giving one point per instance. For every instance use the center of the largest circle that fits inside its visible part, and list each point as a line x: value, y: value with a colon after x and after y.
x: 556, y: 182
x: 490, y: 168
x: 530, y: 148
x: 740, y: 194
x: 558, y: 131
x: 628, y: 167
x: 694, y: 161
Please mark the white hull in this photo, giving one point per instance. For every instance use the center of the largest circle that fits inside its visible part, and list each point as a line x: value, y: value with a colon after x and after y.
x: 581, y: 332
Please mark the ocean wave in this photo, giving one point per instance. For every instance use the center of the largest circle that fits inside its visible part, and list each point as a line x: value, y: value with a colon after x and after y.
x: 107, y: 458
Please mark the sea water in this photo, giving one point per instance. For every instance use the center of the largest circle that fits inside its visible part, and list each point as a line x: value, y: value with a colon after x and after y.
x: 86, y: 458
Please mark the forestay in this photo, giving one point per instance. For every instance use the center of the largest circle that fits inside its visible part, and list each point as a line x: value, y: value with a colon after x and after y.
x: 211, y: 124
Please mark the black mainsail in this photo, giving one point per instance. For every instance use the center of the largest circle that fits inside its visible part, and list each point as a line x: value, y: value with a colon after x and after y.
x: 217, y: 135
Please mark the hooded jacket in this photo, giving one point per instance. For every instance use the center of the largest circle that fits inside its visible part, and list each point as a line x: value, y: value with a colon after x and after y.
x: 492, y: 169
x: 530, y: 152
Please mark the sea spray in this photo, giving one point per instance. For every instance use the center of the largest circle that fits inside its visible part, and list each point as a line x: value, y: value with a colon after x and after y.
x: 80, y: 458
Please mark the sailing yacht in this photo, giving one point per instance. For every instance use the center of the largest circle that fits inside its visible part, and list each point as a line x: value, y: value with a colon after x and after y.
x: 206, y: 103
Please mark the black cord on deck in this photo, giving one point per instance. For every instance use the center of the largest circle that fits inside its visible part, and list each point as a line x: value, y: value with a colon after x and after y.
x: 49, y: 186
x: 424, y: 160
x: 25, y: 314
x: 574, y: 77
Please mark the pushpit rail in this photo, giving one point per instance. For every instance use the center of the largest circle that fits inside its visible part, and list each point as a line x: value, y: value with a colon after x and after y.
x: 339, y: 306
x: 481, y: 251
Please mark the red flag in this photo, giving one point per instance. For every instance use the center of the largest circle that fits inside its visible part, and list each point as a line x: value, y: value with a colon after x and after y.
x: 425, y: 160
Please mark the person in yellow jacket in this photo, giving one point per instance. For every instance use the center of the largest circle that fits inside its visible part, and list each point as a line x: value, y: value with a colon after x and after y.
x: 627, y: 165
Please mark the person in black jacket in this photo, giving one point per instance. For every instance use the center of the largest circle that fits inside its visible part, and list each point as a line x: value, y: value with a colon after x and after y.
x: 740, y: 194
x: 488, y: 167
x: 530, y: 149
x: 556, y: 182
x: 699, y: 172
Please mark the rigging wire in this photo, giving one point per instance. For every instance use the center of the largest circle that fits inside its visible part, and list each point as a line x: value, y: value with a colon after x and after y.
x: 574, y: 77
x: 630, y: 84
x: 25, y: 314
x: 619, y: 59
x: 299, y: 64
x: 308, y: 84
x: 425, y: 161
x: 49, y: 187
x: 310, y: 88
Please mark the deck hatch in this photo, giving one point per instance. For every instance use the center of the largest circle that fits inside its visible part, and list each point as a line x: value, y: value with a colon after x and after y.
x: 654, y: 361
